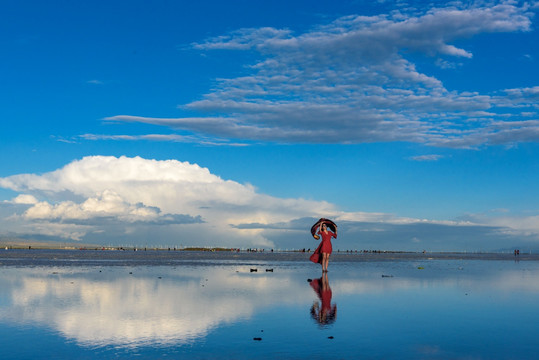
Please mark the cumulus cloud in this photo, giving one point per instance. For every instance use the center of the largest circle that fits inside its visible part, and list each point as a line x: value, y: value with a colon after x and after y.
x: 350, y: 81
x: 527, y: 225
x: 111, y: 200
x: 103, y: 206
x: 136, y: 192
x: 24, y: 199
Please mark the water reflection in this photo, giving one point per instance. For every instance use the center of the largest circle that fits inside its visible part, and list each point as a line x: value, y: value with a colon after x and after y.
x: 438, y: 309
x: 139, y: 307
x: 323, y: 311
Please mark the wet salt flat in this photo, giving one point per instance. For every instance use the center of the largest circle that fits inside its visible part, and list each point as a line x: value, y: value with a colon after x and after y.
x: 87, y: 304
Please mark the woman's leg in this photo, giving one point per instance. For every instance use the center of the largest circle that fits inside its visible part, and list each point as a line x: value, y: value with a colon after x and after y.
x: 325, y: 259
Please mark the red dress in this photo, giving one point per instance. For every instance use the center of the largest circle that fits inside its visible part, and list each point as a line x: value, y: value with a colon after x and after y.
x: 326, y: 241
x: 324, y: 247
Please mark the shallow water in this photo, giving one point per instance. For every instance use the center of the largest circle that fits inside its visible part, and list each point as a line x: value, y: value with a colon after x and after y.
x: 91, y: 305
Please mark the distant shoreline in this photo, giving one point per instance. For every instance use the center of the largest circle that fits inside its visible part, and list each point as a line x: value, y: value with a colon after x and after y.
x: 36, y: 245
x: 196, y: 256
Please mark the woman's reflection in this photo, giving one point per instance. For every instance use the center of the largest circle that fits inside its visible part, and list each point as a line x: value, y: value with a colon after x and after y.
x: 324, y: 313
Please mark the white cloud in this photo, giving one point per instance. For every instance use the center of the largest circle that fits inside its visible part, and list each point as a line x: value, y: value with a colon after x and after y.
x: 518, y: 225
x: 430, y: 157
x: 95, y: 82
x: 445, y: 64
x: 109, y: 200
x: 136, y: 190
x: 24, y: 199
x: 103, y: 205
x: 349, y: 81
x: 161, y: 137
x: 244, y: 39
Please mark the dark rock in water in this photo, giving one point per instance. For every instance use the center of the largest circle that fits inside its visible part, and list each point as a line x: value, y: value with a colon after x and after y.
x: 257, y: 338
x: 331, y: 337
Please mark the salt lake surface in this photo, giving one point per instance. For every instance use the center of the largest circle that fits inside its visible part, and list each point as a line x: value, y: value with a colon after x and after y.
x: 160, y: 304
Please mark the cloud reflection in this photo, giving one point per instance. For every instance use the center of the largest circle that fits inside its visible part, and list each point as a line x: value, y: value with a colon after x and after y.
x: 161, y: 306
x: 150, y: 306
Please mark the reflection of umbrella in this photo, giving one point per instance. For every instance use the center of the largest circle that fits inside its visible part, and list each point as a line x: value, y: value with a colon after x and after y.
x: 330, y: 224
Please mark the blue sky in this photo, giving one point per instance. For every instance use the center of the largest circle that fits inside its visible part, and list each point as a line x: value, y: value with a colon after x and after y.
x: 413, y: 124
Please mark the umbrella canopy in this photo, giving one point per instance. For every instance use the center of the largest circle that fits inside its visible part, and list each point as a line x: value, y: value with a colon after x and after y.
x: 330, y: 224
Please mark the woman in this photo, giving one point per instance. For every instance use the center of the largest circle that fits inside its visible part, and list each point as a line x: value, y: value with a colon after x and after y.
x: 325, y: 246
